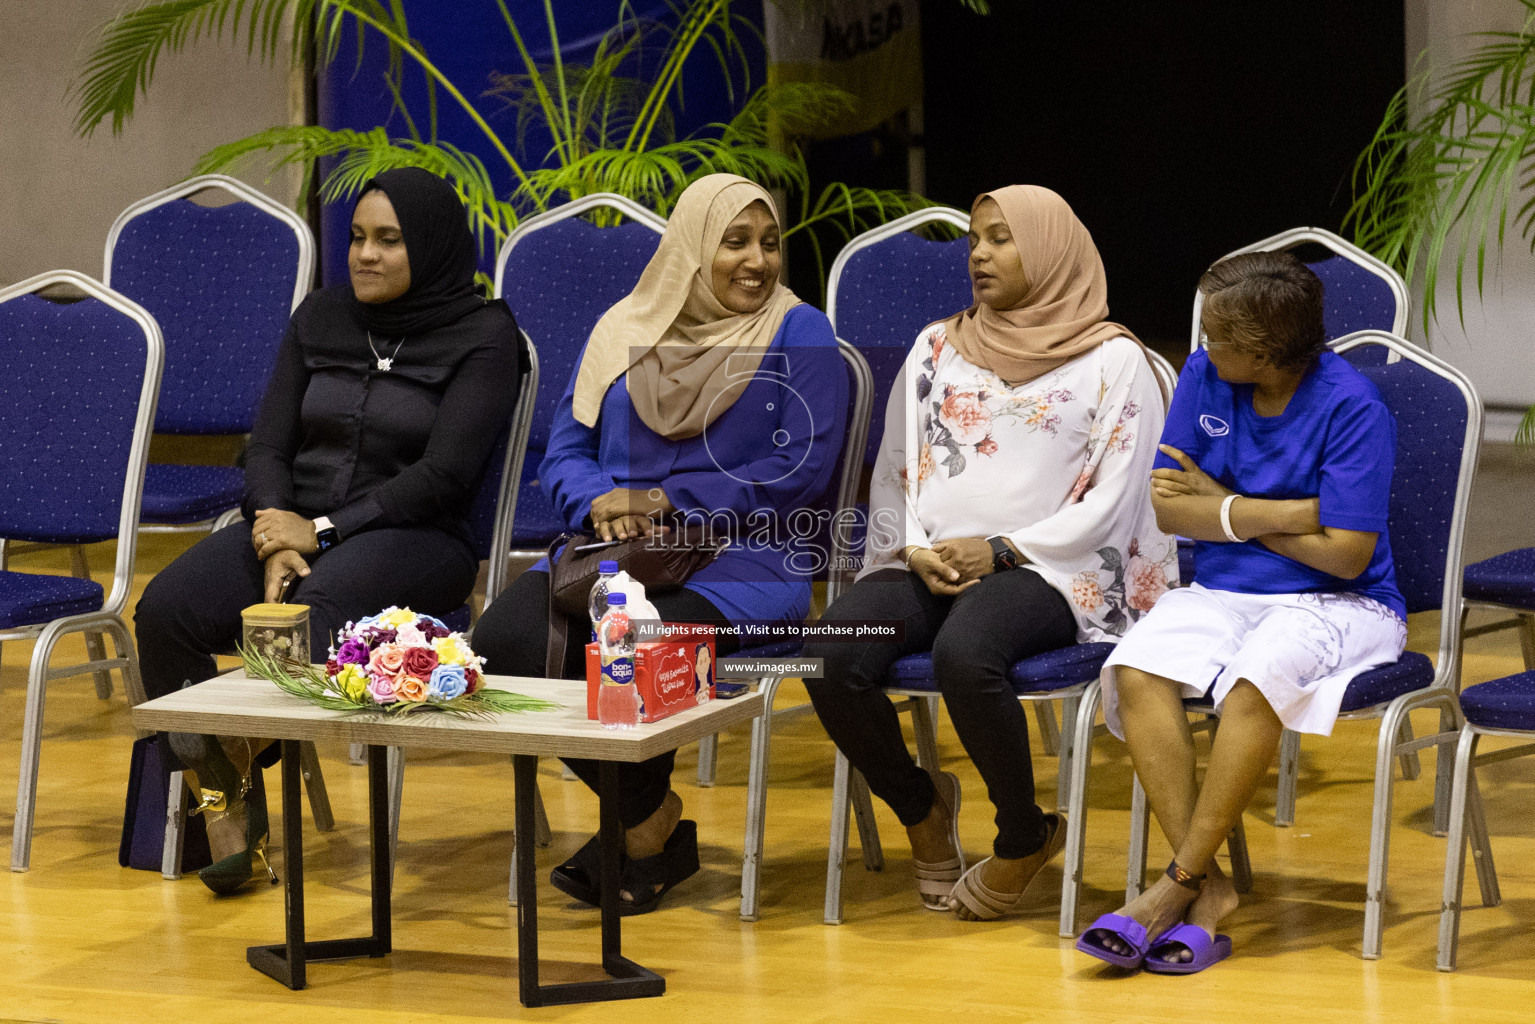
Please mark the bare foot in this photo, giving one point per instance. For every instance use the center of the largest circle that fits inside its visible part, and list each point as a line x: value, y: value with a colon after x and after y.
x: 1156, y: 909
x: 1006, y: 875
x: 932, y: 842
x: 1217, y: 898
x: 649, y: 837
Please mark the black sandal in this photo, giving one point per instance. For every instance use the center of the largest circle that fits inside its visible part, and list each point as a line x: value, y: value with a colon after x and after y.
x: 647, y: 879
x: 578, y: 876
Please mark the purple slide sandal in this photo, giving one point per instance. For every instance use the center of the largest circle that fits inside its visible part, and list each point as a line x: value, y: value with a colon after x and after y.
x: 1128, y: 930
x: 1207, y: 952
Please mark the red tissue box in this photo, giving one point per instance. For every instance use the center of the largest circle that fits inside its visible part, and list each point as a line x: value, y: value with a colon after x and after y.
x: 671, y: 675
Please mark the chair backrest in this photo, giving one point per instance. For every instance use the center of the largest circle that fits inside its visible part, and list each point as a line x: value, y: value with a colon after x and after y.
x: 885, y: 286
x: 559, y: 274
x: 221, y: 281
x: 1362, y: 293
x: 841, y: 500
x: 77, y: 407
x: 495, y: 505
x: 1439, y: 434
x: 1167, y: 375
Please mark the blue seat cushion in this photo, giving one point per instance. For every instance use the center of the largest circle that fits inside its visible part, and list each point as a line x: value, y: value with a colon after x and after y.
x: 1053, y: 670
x: 1508, y: 578
x: 781, y: 649
x: 1413, y: 671
x: 1507, y: 703
x: 189, y: 494
x: 30, y: 599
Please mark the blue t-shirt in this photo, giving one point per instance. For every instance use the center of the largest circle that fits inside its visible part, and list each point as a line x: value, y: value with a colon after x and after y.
x: 1336, y: 441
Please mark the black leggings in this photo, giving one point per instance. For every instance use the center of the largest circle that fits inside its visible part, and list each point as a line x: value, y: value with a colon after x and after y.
x: 975, y: 638
x: 512, y: 637
x: 190, y: 611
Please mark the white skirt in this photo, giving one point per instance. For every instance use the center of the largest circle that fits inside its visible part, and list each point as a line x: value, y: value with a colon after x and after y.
x: 1300, y: 650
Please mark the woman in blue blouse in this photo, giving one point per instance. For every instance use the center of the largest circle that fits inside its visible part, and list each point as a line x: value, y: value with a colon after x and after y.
x: 708, y: 391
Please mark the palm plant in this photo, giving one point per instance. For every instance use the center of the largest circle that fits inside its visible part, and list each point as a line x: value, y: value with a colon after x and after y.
x: 1455, y: 176
x: 611, y: 130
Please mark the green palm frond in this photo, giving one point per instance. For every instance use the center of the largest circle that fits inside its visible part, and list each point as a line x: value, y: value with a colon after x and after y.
x: 1446, y: 181
x: 366, y: 154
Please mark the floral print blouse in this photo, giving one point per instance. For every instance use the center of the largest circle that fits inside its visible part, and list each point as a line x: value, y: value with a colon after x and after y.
x: 1059, y: 465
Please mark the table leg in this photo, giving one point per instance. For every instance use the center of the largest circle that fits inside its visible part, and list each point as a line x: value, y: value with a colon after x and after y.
x: 628, y: 980
x: 287, y: 962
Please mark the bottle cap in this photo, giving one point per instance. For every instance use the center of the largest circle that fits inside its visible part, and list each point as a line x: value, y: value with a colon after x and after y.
x: 607, y: 565
x: 616, y: 599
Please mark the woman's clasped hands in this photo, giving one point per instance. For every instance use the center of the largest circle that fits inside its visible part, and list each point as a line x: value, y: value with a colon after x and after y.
x: 950, y: 567
x: 627, y: 513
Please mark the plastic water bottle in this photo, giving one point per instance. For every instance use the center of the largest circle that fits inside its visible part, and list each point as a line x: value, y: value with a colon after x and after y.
x: 618, y: 701
x: 597, y: 603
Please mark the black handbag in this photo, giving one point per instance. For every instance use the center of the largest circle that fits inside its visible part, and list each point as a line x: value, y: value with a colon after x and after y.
x: 143, y: 838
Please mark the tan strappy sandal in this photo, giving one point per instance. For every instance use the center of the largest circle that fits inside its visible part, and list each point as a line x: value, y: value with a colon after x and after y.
x: 986, y: 903
x: 936, y: 879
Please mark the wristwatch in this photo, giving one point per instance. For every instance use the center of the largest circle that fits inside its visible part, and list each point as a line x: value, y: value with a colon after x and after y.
x: 1003, y: 557
x: 325, y: 534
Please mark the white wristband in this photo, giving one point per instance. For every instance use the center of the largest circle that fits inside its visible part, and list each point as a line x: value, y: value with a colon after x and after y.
x: 1231, y: 534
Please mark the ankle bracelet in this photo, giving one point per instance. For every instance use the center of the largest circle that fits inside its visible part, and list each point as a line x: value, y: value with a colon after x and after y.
x: 1182, y: 877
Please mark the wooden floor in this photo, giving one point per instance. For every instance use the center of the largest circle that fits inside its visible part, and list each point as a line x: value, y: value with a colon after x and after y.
x: 82, y: 940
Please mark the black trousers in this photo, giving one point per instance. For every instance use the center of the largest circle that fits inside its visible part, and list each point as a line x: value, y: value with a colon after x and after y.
x: 191, y: 610
x: 512, y: 637
x: 975, y: 638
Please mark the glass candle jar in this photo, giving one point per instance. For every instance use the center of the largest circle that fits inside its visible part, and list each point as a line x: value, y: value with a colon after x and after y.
x: 278, y: 631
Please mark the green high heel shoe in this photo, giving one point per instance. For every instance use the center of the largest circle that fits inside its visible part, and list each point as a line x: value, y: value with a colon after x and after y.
x: 233, y: 793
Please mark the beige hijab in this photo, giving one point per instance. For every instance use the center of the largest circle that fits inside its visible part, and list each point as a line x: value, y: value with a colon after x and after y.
x: 1062, y: 315
x: 671, y: 335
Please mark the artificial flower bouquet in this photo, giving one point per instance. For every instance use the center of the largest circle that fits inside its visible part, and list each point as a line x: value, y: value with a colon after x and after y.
x: 397, y: 662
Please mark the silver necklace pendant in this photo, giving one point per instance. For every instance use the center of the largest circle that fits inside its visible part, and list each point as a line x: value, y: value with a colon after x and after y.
x: 384, y: 364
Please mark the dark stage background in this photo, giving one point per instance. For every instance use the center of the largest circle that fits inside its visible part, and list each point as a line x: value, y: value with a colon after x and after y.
x: 1178, y: 131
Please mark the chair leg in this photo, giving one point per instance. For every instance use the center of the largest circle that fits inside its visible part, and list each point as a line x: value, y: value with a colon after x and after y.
x: 1412, y: 767
x: 394, y: 762
x: 1049, y: 732
x: 756, y: 804
x: 357, y: 755
x: 31, y: 751
x: 1380, y: 832
x: 1455, y: 853
x: 1289, y: 769
x: 1076, y: 814
x: 175, y: 828
x: 1140, y: 827
x: 314, y: 784
x: 1067, y: 749
x: 1444, y: 773
x: 868, y: 828
x: 1527, y: 639
x: 81, y: 569
x: 542, y: 835
x: 708, y: 759
x: 1481, y: 845
x: 924, y: 715
x: 836, y: 840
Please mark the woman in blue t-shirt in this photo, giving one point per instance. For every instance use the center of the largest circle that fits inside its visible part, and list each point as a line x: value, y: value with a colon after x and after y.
x: 1276, y: 459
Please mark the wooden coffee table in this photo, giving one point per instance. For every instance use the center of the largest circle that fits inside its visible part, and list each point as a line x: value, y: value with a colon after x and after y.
x: 233, y: 705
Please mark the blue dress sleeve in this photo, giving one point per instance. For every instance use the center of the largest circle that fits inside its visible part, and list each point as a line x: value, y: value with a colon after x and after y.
x: 797, y: 473
x: 571, y: 472
x: 1357, y: 463
x: 1178, y: 432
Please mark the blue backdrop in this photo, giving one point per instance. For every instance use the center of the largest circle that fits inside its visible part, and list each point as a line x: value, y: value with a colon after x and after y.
x: 469, y: 42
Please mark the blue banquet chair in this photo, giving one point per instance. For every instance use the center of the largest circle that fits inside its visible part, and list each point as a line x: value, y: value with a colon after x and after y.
x: 77, y: 409
x: 559, y: 272
x: 1360, y: 293
x: 221, y: 281
x: 1503, y: 708
x: 1439, y: 431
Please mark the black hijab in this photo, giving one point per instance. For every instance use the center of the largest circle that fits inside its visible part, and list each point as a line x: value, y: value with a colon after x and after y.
x: 440, y: 250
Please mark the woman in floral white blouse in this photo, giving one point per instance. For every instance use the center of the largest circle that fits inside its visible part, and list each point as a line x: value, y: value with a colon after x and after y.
x: 1009, y: 516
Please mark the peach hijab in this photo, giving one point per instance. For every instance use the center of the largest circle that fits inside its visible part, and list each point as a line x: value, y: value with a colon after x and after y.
x: 671, y: 336
x: 1064, y: 311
